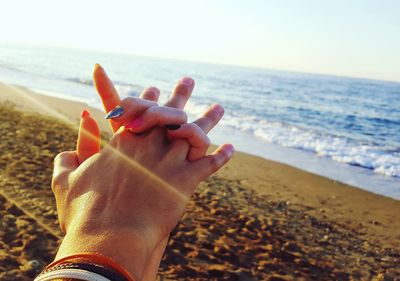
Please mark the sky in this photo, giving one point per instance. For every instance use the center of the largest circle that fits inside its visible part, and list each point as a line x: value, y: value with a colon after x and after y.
x: 359, y: 38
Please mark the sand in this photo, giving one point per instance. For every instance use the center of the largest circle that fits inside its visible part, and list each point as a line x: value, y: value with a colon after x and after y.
x: 254, y: 220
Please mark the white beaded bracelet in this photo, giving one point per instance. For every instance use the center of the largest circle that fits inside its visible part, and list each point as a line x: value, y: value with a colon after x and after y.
x: 71, y: 273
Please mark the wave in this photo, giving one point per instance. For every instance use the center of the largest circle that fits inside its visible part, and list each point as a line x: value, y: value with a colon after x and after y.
x: 11, y: 67
x: 83, y: 81
x: 382, y: 160
x: 123, y: 89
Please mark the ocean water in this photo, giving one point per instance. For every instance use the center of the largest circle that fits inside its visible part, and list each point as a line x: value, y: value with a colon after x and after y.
x: 345, y: 128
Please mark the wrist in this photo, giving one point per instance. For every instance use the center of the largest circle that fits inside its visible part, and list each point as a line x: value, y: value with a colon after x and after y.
x: 127, y: 250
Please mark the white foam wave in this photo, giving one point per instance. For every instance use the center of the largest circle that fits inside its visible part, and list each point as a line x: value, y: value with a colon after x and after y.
x: 194, y: 110
x: 337, y: 148
x: 125, y: 90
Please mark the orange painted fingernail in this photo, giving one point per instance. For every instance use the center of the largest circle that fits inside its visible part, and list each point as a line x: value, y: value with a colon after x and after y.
x: 85, y: 113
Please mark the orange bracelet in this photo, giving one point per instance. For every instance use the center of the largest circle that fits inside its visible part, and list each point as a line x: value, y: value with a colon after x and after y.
x: 95, y: 258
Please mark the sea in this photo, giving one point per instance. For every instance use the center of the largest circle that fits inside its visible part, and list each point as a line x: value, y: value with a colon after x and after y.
x: 347, y: 129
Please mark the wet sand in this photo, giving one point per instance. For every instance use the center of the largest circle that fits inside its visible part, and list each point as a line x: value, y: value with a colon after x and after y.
x: 254, y: 220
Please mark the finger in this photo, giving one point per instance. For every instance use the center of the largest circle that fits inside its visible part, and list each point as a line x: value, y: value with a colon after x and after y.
x: 210, y: 118
x: 181, y: 93
x: 129, y: 108
x: 208, y: 165
x: 151, y: 93
x: 64, y: 163
x: 157, y: 116
x: 107, y: 92
x: 198, y: 140
x: 105, y: 88
x: 89, y: 138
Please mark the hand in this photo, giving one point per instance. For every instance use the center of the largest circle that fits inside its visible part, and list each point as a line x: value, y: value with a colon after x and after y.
x: 194, y: 133
x: 134, y: 112
x: 66, y: 172
x: 127, y: 198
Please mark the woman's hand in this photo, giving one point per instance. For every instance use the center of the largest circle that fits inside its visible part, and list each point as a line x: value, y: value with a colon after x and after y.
x: 194, y: 133
x: 126, y: 199
x: 134, y: 112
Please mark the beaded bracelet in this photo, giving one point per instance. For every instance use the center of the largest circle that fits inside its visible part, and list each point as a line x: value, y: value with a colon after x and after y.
x: 71, y: 273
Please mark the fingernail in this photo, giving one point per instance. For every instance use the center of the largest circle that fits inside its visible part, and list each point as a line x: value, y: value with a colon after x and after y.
x: 187, y: 81
x: 229, y: 149
x: 116, y: 112
x: 172, y: 127
x: 217, y: 108
x: 85, y: 113
x: 135, y: 123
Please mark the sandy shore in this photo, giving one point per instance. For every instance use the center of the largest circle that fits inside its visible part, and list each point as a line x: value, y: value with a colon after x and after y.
x: 255, y: 220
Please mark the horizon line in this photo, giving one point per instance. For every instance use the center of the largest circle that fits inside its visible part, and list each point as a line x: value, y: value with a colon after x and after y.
x: 294, y: 71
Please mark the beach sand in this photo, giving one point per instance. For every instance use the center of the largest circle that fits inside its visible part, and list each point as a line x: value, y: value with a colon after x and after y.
x: 254, y: 220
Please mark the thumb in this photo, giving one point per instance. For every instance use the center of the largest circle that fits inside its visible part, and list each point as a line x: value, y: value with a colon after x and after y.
x: 64, y: 164
x: 89, y: 138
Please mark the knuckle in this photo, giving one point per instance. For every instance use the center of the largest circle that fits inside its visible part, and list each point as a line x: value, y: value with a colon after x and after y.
x: 150, y: 96
x: 182, y: 90
x: 213, y: 164
x: 60, y: 155
x: 57, y: 182
x: 152, y: 110
x: 193, y: 127
x: 128, y: 101
x: 183, y: 115
x: 151, y: 93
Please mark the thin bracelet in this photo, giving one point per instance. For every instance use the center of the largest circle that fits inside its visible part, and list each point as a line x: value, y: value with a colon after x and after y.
x: 95, y: 268
x: 95, y: 258
x: 71, y: 273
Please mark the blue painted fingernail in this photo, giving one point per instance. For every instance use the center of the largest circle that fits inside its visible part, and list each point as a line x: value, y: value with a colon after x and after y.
x: 116, y: 112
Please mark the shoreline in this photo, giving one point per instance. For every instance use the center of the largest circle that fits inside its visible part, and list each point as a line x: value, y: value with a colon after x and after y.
x: 310, y: 162
x: 252, y: 171
x: 311, y: 206
x: 344, y: 173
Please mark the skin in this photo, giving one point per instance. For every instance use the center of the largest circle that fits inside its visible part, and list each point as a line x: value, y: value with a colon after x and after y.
x: 119, y: 218
x: 88, y: 142
x: 198, y: 141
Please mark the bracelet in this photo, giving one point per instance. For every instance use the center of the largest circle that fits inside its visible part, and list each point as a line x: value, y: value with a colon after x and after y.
x: 95, y: 268
x: 71, y: 273
x: 94, y: 259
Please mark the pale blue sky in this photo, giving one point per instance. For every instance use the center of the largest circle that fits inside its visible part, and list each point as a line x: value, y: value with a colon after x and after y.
x: 355, y: 37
